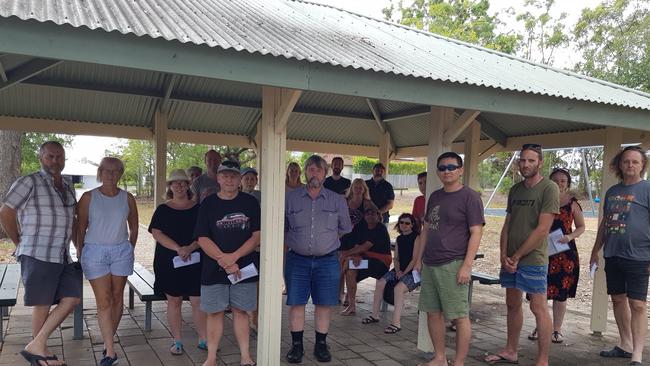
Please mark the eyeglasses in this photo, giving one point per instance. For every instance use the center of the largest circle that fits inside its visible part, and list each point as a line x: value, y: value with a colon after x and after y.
x: 450, y: 167
x: 405, y: 223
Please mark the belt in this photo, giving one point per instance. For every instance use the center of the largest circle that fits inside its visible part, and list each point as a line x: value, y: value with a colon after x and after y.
x: 314, y: 256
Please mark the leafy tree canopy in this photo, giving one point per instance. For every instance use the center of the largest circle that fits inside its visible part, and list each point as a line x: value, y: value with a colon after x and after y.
x: 30, y: 144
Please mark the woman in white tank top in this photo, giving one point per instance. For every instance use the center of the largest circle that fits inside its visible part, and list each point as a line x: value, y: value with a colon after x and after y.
x: 107, y: 229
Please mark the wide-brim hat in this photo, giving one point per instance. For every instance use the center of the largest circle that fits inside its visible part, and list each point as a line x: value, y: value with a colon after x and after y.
x: 178, y: 174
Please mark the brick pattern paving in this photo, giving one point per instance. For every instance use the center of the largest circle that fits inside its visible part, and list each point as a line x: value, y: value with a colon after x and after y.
x: 351, y: 343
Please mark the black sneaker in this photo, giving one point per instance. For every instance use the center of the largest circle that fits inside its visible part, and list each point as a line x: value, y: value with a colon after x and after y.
x: 295, y: 353
x: 321, y: 352
x: 108, y: 361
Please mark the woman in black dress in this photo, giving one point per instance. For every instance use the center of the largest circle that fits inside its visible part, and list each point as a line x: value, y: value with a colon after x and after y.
x: 172, y: 226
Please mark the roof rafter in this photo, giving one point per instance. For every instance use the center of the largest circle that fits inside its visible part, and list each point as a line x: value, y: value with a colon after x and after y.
x: 491, y: 131
x: 459, y: 125
x: 374, y: 109
x: 26, y: 71
x: 170, y: 81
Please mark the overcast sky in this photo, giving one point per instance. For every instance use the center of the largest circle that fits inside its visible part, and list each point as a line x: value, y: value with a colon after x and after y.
x: 93, y: 147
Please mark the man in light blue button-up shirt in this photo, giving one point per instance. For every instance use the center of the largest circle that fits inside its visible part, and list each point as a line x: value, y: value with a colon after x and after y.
x: 315, y: 218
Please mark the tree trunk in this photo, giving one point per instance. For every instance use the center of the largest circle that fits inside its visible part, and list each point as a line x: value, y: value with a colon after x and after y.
x: 10, y: 162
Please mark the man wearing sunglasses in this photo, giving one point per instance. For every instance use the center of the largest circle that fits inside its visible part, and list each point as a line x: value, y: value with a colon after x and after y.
x: 532, y: 206
x: 38, y: 215
x: 453, y: 226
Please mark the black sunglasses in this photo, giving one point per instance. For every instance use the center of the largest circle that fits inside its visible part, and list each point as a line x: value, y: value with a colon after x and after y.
x: 450, y: 167
x: 405, y: 223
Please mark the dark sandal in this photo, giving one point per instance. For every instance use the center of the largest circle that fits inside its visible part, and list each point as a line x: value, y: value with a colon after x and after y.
x: 392, y: 329
x: 616, y: 352
x: 499, y: 360
x: 248, y: 364
x: 34, y: 360
x: 369, y: 320
x: 557, y: 337
x: 533, y: 335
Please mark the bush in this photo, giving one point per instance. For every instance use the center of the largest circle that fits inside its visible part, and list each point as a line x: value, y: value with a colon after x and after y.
x: 363, y: 165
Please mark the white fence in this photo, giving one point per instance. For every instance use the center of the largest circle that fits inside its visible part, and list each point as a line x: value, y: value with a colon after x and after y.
x: 398, y: 181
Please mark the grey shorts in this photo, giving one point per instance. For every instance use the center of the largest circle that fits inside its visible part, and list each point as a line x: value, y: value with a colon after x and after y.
x: 216, y: 298
x: 46, y: 283
x: 98, y: 260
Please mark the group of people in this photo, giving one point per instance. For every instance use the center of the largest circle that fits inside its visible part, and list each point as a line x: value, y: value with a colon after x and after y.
x: 207, y: 237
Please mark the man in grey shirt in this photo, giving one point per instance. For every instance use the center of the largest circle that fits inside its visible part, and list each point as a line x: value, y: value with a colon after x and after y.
x: 315, y: 218
x: 625, y: 233
x: 206, y: 184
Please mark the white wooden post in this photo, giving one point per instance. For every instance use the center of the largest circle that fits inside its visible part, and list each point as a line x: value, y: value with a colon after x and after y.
x: 277, y: 104
x: 472, y: 146
x: 599, y: 299
x: 441, y: 118
x: 160, y: 166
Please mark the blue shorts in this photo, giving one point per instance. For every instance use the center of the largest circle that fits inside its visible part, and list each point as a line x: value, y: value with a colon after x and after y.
x: 316, y: 277
x: 529, y: 279
x: 98, y: 260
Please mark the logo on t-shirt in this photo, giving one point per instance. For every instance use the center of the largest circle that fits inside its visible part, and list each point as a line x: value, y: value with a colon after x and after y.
x: 234, y: 221
x: 525, y: 203
x: 433, y: 218
x: 618, y: 210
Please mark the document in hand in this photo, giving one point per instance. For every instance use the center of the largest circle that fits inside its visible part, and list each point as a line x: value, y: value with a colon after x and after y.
x: 195, y: 257
x: 416, y: 276
x: 554, y: 245
x: 245, y: 273
x: 362, y: 265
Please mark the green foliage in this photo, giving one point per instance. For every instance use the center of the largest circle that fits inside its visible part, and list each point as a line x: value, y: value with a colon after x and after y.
x: 613, y: 39
x: 363, y: 165
x: 465, y: 20
x: 30, y: 144
x: 543, y: 33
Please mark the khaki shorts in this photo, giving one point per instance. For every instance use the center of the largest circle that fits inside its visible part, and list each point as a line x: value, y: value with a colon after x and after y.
x: 440, y: 291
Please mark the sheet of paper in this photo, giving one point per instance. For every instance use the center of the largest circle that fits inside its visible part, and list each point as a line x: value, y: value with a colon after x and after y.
x: 554, y: 245
x: 592, y: 271
x: 246, y: 272
x: 195, y: 257
x: 362, y: 265
x: 416, y: 276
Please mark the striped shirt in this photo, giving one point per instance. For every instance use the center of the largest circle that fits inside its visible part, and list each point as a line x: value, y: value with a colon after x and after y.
x: 45, y: 216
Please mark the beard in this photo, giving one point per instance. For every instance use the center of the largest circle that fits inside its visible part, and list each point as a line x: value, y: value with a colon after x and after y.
x: 530, y: 172
x: 314, y: 183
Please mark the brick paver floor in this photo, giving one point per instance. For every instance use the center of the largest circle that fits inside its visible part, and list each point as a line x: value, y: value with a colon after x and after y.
x: 351, y: 342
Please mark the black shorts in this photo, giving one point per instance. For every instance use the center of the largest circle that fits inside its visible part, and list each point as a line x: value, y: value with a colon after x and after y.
x: 46, y: 283
x: 376, y: 269
x: 625, y: 276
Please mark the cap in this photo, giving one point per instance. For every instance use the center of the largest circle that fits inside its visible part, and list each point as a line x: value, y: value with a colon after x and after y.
x: 248, y: 170
x: 177, y: 174
x: 228, y: 166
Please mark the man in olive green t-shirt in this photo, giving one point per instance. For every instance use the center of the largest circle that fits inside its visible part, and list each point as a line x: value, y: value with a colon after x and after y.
x: 532, y: 206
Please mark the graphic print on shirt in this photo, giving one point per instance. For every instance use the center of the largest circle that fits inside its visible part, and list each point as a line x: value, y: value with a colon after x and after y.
x: 434, y: 217
x: 618, y: 210
x: 234, y: 221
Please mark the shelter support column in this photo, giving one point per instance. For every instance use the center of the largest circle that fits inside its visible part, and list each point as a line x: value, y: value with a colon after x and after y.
x: 160, y: 148
x: 441, y: 119
x: 384, y: 150
x: 472, y: 159
x: 613, y: 140
x: 277, y: 105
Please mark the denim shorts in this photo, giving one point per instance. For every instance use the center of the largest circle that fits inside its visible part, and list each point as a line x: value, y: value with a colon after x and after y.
x: 407, y: 279
x: 625, y: 276
x: 528, y: 278
x: 316, y: 277
x: 46, y: 283
x: 216, y: 298
x: 98, y: 260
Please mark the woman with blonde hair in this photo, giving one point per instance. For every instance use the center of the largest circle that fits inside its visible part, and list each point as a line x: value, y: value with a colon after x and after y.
x: 172, y: 226
x: 292, y: 179
x: 107, y: 230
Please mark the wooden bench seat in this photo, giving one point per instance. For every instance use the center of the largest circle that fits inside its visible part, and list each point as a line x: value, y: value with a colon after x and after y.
x: 9, y: 282
x: 141, y: 282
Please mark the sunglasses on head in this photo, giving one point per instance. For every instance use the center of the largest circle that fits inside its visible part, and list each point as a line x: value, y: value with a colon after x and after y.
x: 531, y: 146
x: 405, y: 223
x: 450, y: 167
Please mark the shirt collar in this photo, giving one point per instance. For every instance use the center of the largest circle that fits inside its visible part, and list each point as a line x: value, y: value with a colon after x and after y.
x: 305, y: 192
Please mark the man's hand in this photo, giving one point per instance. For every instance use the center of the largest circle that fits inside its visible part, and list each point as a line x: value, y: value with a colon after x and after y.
x: 227, y: 259
x: 510, y: 264
x: 356, y: 260
x: 233, y: 269
x: 464, y: 275
x: 184, y: 253
x: 593, y: 260
x: 417, y: 266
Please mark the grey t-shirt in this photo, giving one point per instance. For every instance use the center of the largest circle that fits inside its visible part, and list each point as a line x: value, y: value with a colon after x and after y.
x: 627, y: 221
x: 450, y: 215
x: 203, y: 186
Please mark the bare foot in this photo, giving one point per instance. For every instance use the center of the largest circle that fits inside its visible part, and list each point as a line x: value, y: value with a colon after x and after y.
x: 350, y: 310
x: 501, y: 357
x: 435, y: 362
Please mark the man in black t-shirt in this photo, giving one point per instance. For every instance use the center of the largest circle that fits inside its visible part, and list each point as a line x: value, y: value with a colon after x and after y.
x: 381, y: 192
x: 228, y: 231
x: 336, y: 182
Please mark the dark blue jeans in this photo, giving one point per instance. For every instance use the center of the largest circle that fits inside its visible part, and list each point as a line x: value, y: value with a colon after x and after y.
x: 315, y: 277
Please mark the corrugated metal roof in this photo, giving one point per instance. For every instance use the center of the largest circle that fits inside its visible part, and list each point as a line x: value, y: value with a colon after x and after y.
x: 515, y: 126
x: 332, y: 129
x: 317, y: 33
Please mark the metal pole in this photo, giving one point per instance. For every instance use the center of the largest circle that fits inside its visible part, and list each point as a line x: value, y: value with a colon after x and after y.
x: 514, y: 155
x: 587, y: 183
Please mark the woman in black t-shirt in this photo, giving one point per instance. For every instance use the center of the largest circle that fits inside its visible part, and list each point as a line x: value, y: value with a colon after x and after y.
x: 401, y: 276
x: 172, y: 226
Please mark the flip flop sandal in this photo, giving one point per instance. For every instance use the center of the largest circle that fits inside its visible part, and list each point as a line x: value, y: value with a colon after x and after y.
x: 369, y: 320
x: 616, y: 352
x: 34, y: 360
x: 248, y: 364
x: 451, y: 327
x: 54, y: 358
x: 348, y: 312
x: 557, y: 337
x: 500, y: 360
x: 176, y: 348
x: 203, y: 344
x: 533, y: 335
x: 392, y: 329
x: 636, y: 363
